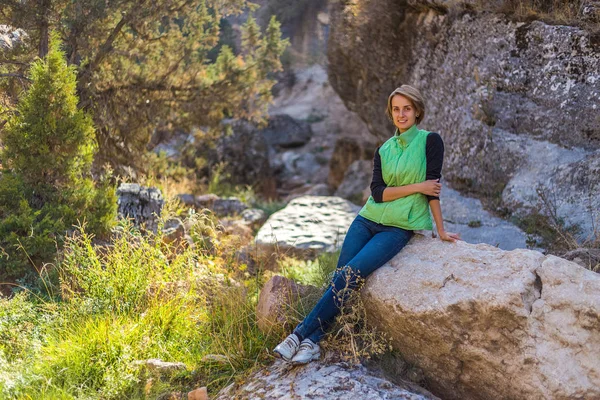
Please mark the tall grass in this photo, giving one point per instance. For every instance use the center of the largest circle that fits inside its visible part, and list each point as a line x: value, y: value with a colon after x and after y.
x: 131, y: 300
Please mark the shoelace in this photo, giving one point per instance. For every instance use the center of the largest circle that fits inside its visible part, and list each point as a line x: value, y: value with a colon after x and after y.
x: 306, y: 346
x: 290, y: 342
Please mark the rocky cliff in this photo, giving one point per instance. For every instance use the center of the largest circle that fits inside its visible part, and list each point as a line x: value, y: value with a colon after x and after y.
x: 517, y: 103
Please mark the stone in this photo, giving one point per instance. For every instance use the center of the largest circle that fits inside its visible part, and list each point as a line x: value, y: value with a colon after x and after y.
x: 357, y: 178
x: 285, y: 132
x: 173, y: 231
x: 141, y: 204
x: 310, y: 224
x: 323, y: 381
x: 485, y: 323
x: 215, y: 358
x: 187, y: 199
x: 465, y: 215
x: 222, y: 207
x: 198, y: 394
x: 253, y: 217
x: 348, y: 149
x: 276, y: 301
x: 161, y: 367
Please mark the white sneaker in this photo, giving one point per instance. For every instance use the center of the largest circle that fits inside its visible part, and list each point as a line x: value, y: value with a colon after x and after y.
x: 307, y: 352
x: 288, y: 347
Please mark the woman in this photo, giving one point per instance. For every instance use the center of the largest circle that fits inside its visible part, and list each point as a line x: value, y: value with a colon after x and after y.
x: 405, y: 186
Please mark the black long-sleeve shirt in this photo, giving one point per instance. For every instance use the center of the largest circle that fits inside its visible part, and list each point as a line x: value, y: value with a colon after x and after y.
x: 434, y: 153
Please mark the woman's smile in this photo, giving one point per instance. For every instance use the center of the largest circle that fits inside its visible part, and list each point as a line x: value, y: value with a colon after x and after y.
x: 404, y: 113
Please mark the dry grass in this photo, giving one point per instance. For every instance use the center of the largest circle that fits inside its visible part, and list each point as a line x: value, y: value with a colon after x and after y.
x: 555, y: 12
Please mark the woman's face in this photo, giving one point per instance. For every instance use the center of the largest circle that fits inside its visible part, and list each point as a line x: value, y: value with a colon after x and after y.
x: 403, y: 112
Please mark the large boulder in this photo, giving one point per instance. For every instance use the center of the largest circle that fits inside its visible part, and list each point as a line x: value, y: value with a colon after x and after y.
x: 484, y: 323
x: 322, y: 381
x: 308, y: 225
x: 284, y: 132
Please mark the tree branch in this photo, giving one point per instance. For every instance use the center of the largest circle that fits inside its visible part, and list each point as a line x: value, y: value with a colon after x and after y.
x: 15, y: 76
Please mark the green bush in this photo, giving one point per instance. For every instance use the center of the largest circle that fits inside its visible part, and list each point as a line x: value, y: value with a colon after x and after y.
x: 46, y: 185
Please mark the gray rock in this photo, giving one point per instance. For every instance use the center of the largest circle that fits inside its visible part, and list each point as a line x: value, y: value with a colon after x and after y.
x: 312, y: 223
x: 161, y: 367
x: 222, y: 207
x: 357, y: 179
x: 142, y: 204
x: 318, y: 380
x: 253, y: 216
x: 484, y: 323
x: 300, y: 164
x: 285, y: 132
x: 466, y: 216
x: 348, y: 149
x: 321, y: 189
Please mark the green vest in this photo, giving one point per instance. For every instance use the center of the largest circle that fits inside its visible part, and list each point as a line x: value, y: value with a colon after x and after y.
x: 403, y: 162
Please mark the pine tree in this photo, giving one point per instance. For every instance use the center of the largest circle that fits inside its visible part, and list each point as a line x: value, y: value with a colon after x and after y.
x: 144, y: 65
x: 45, y: 185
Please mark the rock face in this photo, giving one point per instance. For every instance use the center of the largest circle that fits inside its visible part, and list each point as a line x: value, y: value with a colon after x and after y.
x: 319, y: 381
x: 484, y: 323
x: 496, y: 90
x: 142, y: 204
x: 309, y: 223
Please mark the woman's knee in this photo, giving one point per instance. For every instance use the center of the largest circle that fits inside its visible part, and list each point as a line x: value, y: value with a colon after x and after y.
x: 346, y: 277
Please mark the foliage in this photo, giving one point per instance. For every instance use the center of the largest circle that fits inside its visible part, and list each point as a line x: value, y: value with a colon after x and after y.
x: 45, y: 184
x: 138, y: 298
x: 160, y: 64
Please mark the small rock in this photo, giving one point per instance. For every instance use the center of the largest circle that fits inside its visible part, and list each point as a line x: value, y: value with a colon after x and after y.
x: 198, y: 394
x: 275, y: 300
x: 216, y: 358
x: 160, y: 367
x: 187, y: 199
x: 253, y: 216
x: 174, y: 230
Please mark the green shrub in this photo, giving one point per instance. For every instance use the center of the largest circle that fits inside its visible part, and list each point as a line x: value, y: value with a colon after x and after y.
x: 46, y: 185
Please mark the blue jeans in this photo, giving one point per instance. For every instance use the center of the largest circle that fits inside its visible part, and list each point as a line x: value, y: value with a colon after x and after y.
x: 367, y: 246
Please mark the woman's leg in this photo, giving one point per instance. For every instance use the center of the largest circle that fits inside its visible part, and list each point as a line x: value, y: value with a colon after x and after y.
x: 376, y: 252
x: 358, y: 235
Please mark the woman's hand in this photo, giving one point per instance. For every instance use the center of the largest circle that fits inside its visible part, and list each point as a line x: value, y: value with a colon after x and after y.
x: 431, y: 187
x: 449, y: 236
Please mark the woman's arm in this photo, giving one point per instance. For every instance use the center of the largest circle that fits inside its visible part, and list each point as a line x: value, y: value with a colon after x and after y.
x: 429, y: 188
x: 381, y: 192
x: 436, y: 211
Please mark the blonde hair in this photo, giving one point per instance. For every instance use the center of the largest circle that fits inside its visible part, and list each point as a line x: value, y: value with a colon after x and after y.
x: 415, y: 97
